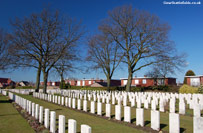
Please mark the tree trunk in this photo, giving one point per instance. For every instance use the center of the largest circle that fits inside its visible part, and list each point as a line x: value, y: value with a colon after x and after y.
x: 38, y: 78
x: 62, y: 81
x: 45, y: 75
x: 108, y: 83
x: 130, y: 74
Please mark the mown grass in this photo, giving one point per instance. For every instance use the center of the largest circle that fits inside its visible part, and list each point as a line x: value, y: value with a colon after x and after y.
x: 97, y: 124
x: 10, y: 120
x: 186, y: 121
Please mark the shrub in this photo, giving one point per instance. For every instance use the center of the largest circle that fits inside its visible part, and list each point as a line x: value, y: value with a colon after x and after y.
x: 160, y: 88
x: 24, y: 87
x: 188, y: 89
x: 62, y: 85
x: 200, y: 89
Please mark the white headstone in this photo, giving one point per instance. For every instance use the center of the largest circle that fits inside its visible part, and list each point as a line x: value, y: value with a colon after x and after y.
x: 61, y: 124
x: 69, y: 102
x: 161, y: 105
x: 62, y: 101
x: 140, y: 117
x: 73, y: 103
x: 85, y: 105
x: 181, y: 108
x: 72, y: 126
x: 33, y: 109
x: 127, y: 114
x: 85, y: 129
x: 108, y: 110
x: 99, y: 108
x: 37, y: 111
x: 118, y: 112
x: 172, y: 106
x: 46, y: 118
x: 196, y: 110
x: 133, y: 102
x: 92, y: 107
x: 197, y: 124
x: 174, y: 123
x: 59, y: 100
x: 79, y: 104
x: 66, y: 101
x: 41, y: 114
x: 155, y: 120
x: 153, y: 105
x: 53, y: 122
x: 30, y: 107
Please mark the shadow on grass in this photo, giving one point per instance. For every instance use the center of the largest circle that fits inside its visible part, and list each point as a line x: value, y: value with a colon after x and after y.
x: 133, y: 120
x: 9, y: 114
x: 5, y: 101
x: 182, y: 130
x: 146, y: 123
x: 56, y: 109
x: 162, y: 126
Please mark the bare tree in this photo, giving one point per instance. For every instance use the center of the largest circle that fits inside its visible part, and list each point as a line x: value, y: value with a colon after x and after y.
x: 169, y: 67
x: 142, y: 37
x: 104, y: 54
x: 41, y: 40
x: 4, y: 46
x: 67, y: 64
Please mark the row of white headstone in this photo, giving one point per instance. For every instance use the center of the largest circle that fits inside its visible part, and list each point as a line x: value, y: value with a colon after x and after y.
x: 49, y: 118
x: 146, y: 98
x: 174, y: 120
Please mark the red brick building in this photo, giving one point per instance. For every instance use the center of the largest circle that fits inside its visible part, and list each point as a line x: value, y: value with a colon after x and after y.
x: 148, y: 81
x: 4, y: 82
x: 194, y: 80
x: 82, y: 82
x: 51, y: 83
x: 89, y: 82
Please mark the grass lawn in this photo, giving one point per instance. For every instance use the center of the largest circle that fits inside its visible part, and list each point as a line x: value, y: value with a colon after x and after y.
x: 97, y: 124
x: 10, y: 120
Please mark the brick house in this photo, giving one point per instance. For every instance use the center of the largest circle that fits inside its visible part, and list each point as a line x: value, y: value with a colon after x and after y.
x: 4, y: 82
x: 148, y: 81
x: 51, y: 83
x: 89, y: 82
x: 113, y: 82
x: 194, y: 80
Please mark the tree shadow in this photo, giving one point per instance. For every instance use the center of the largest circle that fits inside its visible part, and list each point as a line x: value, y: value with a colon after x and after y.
x: 5, y: 101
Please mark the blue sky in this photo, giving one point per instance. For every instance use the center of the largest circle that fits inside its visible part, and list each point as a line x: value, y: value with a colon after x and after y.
x: 186, y: 23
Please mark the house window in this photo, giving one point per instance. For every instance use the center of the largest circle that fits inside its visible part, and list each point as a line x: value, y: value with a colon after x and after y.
x: 136, y: 81
x: 160, y: 81
x: 89, y: 82
x: 195, y: 81
x: 78, y: 83
x: 125, y: 82
x: 144, y: 81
